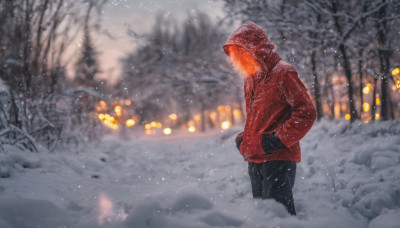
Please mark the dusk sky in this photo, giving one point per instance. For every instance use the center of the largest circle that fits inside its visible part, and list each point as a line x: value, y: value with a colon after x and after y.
x: 139, y: 15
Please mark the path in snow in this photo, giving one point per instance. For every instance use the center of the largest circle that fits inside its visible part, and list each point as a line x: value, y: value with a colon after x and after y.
x: 349, y: 177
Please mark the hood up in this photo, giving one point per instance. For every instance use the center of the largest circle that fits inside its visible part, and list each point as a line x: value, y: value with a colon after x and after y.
x: 254, y: 39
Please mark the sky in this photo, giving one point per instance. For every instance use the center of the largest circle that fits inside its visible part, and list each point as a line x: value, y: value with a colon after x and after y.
x: 139, y: 15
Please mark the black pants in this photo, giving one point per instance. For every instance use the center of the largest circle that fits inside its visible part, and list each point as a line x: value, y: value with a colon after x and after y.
x: 274, y: 180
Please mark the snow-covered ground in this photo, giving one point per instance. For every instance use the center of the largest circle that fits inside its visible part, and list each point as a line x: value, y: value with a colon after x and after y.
x: 348, y: 177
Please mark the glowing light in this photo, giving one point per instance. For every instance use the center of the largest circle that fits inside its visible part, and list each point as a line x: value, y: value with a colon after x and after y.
x: 192, y: 129
x: 347, y: 116
x: 98, y: 109
x: 367, y: 120
x: 103, y: 104
x: 395, y: 71
x: 398, y: 84
x: 366, y: 90
x: 118, y: 110
x: 153, y: 124
x: 147, y: 126
x: 366, y: 107
x: 237, y: 113
x: 243, y: 61
x: 114, y: 126
x: 130, y: 122
x: 378, y: 101
x: 197, y: 117
x: 158, y: 125
x: 173, y: 116
x: 225, y: 125
x: 105, y: 207
x: 394, y: 87
x: 167, y: 131
x: 128, y: 102
x: 213, y: 116
x: 106, y: 211
x: 377, y: 116
x: 148, y: 132
x: 220, y: 108
x: 101, y: 116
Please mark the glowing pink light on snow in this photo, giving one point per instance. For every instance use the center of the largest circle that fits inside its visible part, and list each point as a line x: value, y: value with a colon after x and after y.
x: 107, y: 212
x: 105, y: 207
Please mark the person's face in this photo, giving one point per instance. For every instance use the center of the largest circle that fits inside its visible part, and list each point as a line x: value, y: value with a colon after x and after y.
x: 243, y: 61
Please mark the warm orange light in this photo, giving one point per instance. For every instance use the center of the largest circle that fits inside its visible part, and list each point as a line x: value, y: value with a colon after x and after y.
x: 377, y: 116
x: 147, y: 126
x: 103, y: 104
x: 192, y: 129
x: 153, y: 124
x: 237, y: 113
x: 366, y: 90
x: 114, y: 126
x: 197, y: 117
x: 225, y: 125
x: 213, y: 116
x: 101, y: 116
x: 158, y: 125
x: 366, y: 107
x: 243, y: 61
x: 367, y: 120
x: 167, y: 131
x: 128, y: 102
x: 148, y: 132
x: 378, y: 101
x: 118, y: 110
x: 173, y: 116
x: 130, y: 122
x: 347, y: 116
x: 395, y: 71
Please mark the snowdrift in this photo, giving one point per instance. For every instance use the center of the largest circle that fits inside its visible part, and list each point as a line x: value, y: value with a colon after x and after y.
x: 348, y: 177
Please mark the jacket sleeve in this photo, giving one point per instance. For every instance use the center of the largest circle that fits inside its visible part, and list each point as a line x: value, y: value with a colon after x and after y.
x: 303, y: 113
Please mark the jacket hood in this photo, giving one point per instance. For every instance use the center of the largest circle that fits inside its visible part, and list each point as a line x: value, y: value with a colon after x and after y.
x: 254, y: 39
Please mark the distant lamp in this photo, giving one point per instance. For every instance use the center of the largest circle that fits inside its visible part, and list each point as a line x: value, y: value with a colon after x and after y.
x: 225, y: 125
x: 167, y: 131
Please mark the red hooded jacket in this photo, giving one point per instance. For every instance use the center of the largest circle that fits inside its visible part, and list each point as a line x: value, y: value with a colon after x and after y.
x: 276, y: 99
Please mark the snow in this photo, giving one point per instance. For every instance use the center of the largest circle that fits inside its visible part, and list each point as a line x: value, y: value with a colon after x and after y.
x: 348, y: 177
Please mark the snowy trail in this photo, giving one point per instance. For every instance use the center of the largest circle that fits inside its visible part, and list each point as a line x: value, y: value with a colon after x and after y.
x: 348, y: 177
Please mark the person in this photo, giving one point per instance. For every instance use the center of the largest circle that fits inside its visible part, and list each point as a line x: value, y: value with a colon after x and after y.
x: 279, y: 113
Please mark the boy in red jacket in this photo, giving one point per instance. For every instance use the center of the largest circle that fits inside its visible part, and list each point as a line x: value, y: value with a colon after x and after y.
x: 279, y: 113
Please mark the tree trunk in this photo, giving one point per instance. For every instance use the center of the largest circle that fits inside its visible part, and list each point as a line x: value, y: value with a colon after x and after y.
x: 203, y: 118
x: 347, y: 71
x: 360, y: 71
x: 346, y: 64
x: 384, y: 56
x: 373, y: 109
x: 317, y: 94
